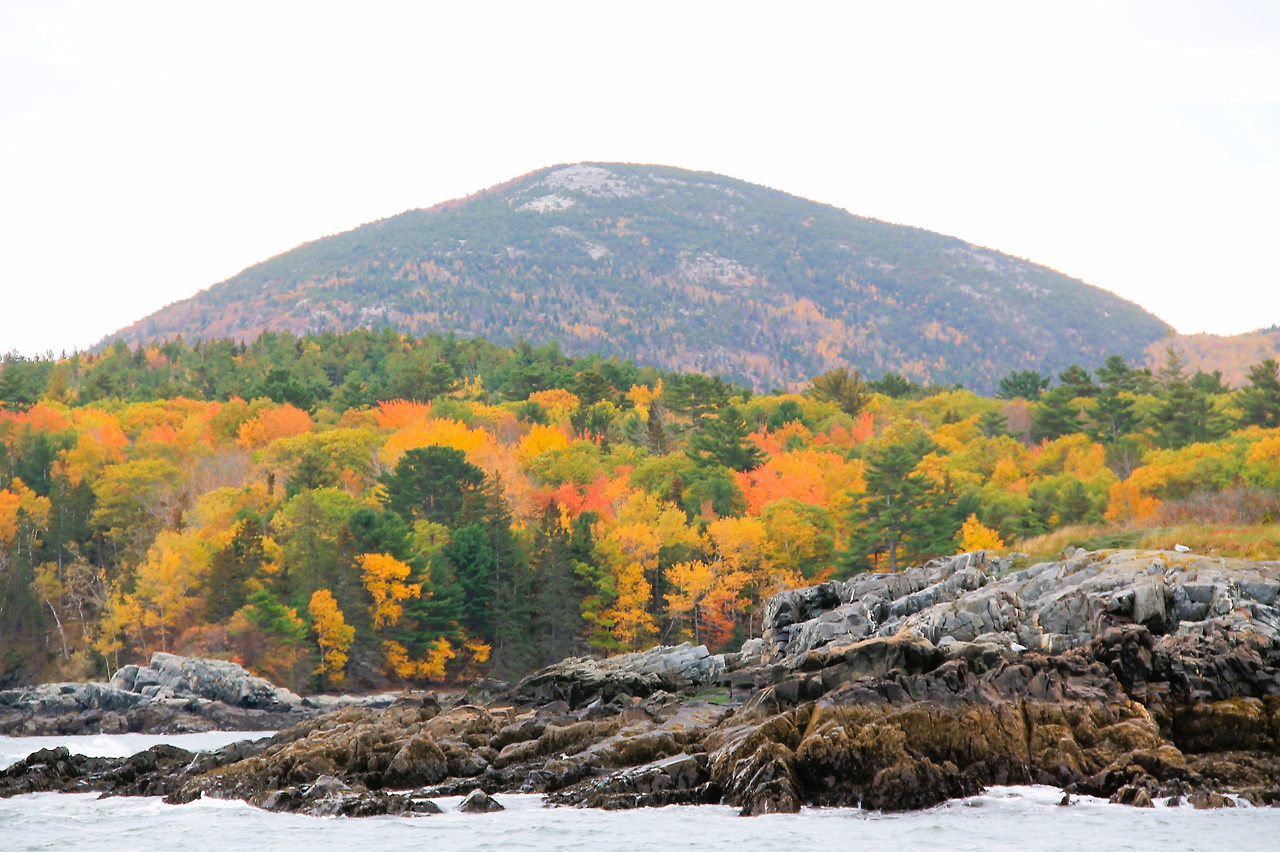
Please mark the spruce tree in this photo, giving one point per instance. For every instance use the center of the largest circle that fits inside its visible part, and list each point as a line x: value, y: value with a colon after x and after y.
x: 1261, y: 400
x: 903, y: 508
x: 723, y: 440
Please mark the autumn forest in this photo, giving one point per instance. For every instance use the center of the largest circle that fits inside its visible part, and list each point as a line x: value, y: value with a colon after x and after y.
x: 364, y: 509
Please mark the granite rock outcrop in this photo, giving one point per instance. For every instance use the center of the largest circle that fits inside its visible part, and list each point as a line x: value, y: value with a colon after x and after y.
x: 1137, y: 676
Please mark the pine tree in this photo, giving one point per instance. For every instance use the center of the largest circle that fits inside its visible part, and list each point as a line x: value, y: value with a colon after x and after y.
x: 1078, y: 381
x: 230, y: 570
x: 1261, y: 400
x: 993, y: 424
x: 1186, y: 414
x: 903, y: 508
x: 435, y: 484
x: 723, y: 440
x: 1022, y: 384
x: 557, y: 564
x: 845, y: 389
x: 1055, y: 415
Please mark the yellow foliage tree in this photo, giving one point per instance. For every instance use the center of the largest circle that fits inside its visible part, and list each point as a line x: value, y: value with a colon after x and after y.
x: 121, y: 621
x: 558, y: 402
x: 630, y: 547
x: 432, y: 667
x: 691, y: 582
x: 440, y: 432
x: 629, y: 616
x: 708, y: 597
x: 539, y: 440
x: 642, y: 395
x: 18, y: 501
x: 742, y: 544
x: 1262, y: 463
x: 974, y: 536
x: 101, y: 442
x: 168, y: 584
x: 333, y: 635
x: 402, y: 414
x: 384, y: 578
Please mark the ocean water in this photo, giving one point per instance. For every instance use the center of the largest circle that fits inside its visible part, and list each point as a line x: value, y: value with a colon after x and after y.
x: 1005, y: 818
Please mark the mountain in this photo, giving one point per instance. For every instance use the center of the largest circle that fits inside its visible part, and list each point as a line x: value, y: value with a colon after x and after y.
x: 1232, y: 355
x: 683, y: 270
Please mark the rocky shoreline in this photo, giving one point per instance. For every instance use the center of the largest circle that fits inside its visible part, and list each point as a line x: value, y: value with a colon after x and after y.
x: 171, y: 695
x: 1129, y: 675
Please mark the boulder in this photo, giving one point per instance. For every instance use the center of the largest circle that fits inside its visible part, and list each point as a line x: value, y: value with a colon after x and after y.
x: 418, y: 762
x: 479, y: 802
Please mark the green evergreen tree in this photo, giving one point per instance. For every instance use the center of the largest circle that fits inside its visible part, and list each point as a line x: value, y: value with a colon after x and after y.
x: 422, y: 377
x: 1260, y: 401
x: 1055, y: 415
x: 435, y: 484
x: 470, y: 554
x: 845, y: 389
x: 993, y: 424
x: 711, y: 487
x: 313, y: 469
x: 1022, y: 384
x: 1112, y: 416
x: 1119, y: 376
x: 903, y: 508
x: 231, y: 568
x: 1078, y: 381
x: 723, y: 440
x: 558, y: 565
x: 896, y: 386
x: 590, y: 386
x: 656, y: 433
x: 1186, y: 414
x: 381, y: 532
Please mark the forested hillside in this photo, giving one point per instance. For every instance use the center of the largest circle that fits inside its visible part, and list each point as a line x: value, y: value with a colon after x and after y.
x: 681, y: 270
x: 366, y: 509
x: 1232, y: 355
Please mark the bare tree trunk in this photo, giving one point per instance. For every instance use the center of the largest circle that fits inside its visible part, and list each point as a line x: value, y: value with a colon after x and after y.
x: 61, y: 633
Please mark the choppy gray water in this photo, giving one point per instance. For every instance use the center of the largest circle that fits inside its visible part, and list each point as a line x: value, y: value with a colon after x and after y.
x: 1006, y: 818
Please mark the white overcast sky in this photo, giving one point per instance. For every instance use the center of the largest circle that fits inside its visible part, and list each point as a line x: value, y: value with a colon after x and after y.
x: 149, y: 150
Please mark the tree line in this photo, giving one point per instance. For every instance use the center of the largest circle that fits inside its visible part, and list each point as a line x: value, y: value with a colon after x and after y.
x: 365, y: 509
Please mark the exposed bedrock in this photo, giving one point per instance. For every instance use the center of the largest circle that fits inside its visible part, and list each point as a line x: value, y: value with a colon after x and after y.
x: 170, y: 695
x: 1123, y: 674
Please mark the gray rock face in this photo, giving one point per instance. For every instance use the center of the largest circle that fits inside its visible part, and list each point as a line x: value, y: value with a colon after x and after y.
x: 1117, y: 674
x: 171, y: 676
x: 581, y: 680
x: 1052, y: 606
x: 172, y: 694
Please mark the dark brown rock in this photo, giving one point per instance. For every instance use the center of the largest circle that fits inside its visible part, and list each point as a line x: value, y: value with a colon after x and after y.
x: 890, y: 692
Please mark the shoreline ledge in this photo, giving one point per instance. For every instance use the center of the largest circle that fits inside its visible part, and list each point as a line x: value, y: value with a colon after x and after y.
x: 1130, y: 675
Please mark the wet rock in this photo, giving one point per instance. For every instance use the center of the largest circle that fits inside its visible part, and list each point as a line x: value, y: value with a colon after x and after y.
x: 678, y: 780
x: 1205, y: 800
x: 418, y: 762
x: 1134, y: 795
x: 330, y: 796
x: 479, y: 802
x: 1120, y: 674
